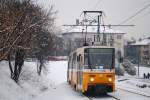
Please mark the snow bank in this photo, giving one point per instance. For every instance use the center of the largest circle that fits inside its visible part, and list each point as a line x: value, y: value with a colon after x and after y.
x: 30, y: 84
x: 9, y: 90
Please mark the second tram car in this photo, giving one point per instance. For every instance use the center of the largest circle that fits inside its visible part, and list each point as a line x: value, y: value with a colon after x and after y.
x: 92, y: 69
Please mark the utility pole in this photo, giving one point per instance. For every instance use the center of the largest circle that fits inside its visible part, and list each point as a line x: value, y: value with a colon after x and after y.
x: 139, y: 60
x: 98, y: 29
x: 85, y: 43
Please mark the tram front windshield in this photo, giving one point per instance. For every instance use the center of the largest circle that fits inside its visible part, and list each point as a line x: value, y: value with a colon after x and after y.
x: 99, y: 58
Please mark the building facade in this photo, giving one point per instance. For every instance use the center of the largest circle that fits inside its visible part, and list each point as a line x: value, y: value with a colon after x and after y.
x: 78, y: 36
x: 139, y: 52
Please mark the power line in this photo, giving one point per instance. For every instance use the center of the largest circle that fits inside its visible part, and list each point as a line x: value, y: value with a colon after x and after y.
x: 97, y: 3
x: 143, y: 16
x: 147, y: 13
x: 138, y: 12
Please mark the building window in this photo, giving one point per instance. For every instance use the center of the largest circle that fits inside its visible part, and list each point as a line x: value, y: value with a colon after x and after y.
x: 119, y: 37
x: 111, y: 40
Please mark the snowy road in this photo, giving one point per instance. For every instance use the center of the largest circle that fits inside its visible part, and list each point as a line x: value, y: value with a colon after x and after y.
x: 65, y: 92
x: 125, y: 95
x: 62, y: 91
x: 121, y: 95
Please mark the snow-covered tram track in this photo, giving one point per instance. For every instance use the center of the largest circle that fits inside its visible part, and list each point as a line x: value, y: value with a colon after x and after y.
x: 109, y: 97
x: 138, y: 93
x: 114, y: 97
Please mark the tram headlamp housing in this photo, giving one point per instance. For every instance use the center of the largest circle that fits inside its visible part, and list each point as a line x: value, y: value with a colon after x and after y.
x: 110, y: 79
x: 91, y: 79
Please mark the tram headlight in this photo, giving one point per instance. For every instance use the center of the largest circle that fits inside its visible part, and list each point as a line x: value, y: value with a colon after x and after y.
x: 91, y: 79
x: 110, y: 79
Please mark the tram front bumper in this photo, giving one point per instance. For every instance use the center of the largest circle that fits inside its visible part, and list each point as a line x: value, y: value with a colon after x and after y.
x: 100, y: 88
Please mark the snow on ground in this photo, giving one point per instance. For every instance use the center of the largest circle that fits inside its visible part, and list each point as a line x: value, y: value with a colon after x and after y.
x: 52, y: 84
x: 125, y: 95
x: 142, y: 70
x: 57, y: 71
x: 134, y: 83
x: 60, y: 89
x: 9, y: 90
x: 30, y: 84
x: 61, y: 92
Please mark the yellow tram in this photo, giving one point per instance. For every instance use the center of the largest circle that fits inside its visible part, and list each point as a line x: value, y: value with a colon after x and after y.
x: 92, y: 68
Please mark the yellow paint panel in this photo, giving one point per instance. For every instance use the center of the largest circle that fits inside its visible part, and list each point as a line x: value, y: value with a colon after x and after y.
x: 99, y: 78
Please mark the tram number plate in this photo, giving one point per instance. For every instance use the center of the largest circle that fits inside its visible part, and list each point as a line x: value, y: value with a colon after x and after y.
x: 100, y: 75
x: 101, y: 68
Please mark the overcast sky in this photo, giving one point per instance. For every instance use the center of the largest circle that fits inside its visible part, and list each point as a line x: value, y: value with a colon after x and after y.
x: 115, y: 10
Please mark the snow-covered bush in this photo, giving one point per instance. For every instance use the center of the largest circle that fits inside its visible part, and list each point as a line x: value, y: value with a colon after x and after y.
x: 119, y: 70
x: 129, y: 67
x: 29, y: 79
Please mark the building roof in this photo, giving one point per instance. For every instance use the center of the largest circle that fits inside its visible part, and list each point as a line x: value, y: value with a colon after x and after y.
x: 142, y: 42
x: 90, y: 29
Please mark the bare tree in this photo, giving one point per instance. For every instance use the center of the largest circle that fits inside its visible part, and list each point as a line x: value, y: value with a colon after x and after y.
x: 21, y: 24
x: 45, y: 44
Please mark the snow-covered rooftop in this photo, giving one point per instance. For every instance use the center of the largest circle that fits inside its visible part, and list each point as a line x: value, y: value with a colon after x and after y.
x: 142, y: 42
x: 90, y: 29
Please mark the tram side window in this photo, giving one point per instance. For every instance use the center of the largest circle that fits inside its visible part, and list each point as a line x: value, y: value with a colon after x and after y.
x: 74, y: 60
x: 70, y: 62
x: 79, y: 58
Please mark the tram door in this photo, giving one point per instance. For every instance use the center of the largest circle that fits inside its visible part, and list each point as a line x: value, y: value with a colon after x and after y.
x: 73, y: 67
x: 79, y: 71
x: 68, y: 70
